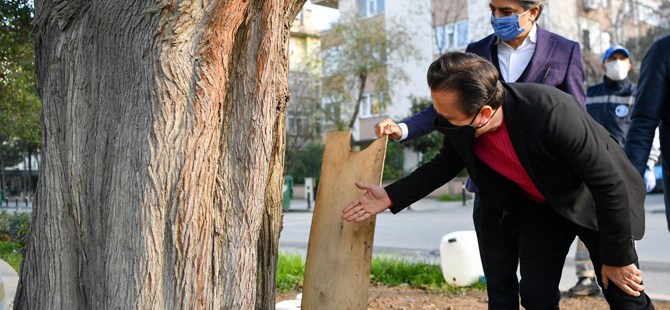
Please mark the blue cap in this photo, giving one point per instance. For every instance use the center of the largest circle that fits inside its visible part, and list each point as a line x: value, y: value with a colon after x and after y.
x: 613, y: 49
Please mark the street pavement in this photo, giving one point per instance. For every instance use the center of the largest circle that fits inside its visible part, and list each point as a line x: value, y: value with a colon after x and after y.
x: 12, y: 205
x: 10, y: 280
x: 416, y: 235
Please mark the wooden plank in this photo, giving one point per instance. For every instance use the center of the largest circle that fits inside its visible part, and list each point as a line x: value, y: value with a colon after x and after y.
x: 337, y: 271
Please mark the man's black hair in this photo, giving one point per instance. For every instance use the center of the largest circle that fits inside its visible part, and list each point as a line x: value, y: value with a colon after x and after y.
x: 474, y: 78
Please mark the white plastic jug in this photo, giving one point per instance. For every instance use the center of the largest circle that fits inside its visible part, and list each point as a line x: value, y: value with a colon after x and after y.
x: 290, y: 304
x: 459, y: 254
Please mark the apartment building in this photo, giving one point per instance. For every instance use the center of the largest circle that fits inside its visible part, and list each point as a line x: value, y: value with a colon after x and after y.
x: 304, y: 79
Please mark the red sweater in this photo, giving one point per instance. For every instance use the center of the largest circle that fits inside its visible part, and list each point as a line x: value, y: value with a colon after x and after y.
x: 496, y: 151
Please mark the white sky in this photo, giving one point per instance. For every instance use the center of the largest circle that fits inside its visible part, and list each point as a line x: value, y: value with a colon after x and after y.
x: 322, y: 16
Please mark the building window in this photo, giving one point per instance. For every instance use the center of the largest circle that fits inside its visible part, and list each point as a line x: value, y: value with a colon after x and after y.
x: 298, y: 125
x: 451, y: 37
x: 590, y: 4
x: 298, y: 18
x: 462, y: 34
x: 593, y: 39
x: 586, y: 39
x: 331, y: 107
x: 372, y: 105
x: 291, y: 47
x: 369, y: 8
x: 330, y: 60
x: 379, y: 53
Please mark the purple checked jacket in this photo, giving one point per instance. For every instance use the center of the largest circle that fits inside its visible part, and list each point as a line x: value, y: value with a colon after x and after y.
x: 557, y: 62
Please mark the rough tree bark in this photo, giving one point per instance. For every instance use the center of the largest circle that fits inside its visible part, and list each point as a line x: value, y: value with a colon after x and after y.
x: 163, y: 147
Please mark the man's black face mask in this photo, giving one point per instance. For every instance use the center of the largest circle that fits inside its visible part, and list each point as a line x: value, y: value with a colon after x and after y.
x: 462, y: 134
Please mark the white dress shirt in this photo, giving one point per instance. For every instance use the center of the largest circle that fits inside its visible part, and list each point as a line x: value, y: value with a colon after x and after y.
x: 405, y: 131
x: 513, y: 62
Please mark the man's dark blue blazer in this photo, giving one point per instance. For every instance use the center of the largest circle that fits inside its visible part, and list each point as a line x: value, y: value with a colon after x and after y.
x: 556, y: 62
x: 652, y: 108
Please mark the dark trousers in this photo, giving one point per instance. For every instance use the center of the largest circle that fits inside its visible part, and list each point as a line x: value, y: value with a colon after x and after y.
x: 498, y: 249
x: 666, y: 188
x: 664, y: 131
x: 539, y: 239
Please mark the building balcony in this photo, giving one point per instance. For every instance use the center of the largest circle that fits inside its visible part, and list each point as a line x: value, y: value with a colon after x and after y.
x: 327, y: 3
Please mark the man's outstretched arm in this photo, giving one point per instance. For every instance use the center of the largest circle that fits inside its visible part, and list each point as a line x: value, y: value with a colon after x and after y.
x: 402, y: 193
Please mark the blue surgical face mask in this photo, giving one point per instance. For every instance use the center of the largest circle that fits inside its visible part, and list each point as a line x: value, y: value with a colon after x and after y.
x: 507, y: 28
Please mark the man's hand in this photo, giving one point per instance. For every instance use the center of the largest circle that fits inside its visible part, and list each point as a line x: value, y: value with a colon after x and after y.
x: 388, y: 127
x: 374, y: 201
x: 627, y: 278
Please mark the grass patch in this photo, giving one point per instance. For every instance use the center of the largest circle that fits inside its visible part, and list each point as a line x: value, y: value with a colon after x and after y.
x: 447, y: 197
x: 385, y: 271
x: 9, y: 252
x: 13, y: 231
x: 290, y: 272
x: 395, y: 271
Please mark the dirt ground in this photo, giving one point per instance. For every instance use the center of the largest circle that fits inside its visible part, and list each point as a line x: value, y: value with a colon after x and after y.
x: 404, y: 299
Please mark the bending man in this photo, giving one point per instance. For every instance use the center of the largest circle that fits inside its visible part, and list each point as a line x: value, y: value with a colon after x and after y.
x: 547, y: 172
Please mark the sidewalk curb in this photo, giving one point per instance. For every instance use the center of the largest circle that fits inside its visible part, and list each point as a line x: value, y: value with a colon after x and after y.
x: 659, y: 297
x: 10, y: 280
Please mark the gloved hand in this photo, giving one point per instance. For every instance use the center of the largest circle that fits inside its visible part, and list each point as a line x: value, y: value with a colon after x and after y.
x: 649, y: 179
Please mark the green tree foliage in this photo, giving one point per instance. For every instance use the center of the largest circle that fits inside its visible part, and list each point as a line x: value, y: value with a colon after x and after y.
x: 20, y: 105
x: 14, y: 226
x: 306, y: 164
x: 10, y: 150
x: 393, y: 164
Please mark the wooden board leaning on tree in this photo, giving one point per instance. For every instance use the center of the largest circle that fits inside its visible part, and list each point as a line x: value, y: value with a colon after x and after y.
x: 337, y: 271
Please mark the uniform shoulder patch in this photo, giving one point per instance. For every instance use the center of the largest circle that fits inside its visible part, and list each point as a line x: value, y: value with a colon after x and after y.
x: 621, y: 110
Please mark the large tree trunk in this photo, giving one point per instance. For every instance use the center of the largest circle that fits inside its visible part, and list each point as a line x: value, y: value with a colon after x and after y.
x: 160, y: 186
